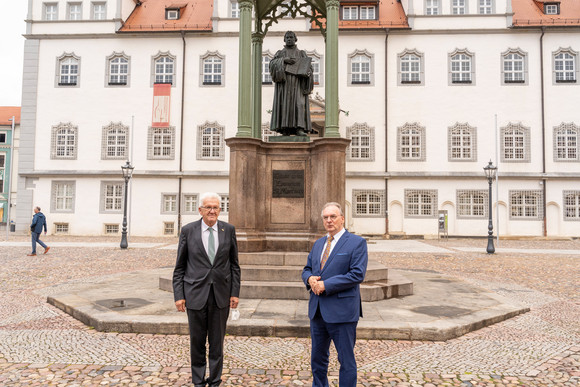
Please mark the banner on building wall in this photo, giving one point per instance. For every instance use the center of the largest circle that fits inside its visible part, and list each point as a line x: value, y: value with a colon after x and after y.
x: 161, y: 98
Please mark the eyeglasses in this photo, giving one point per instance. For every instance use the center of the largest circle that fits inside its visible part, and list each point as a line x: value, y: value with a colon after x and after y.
x: 210, y: 209
x: 331, y: 217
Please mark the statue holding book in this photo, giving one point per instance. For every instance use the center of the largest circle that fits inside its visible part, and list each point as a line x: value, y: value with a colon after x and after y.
x: 291, y: 71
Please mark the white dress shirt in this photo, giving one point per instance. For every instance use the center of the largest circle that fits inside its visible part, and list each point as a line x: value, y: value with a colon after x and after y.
x: 333, y: 243
x: 205, y: 235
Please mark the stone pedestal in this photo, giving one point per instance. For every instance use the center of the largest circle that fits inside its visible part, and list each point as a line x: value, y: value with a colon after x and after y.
x: 277, y: 190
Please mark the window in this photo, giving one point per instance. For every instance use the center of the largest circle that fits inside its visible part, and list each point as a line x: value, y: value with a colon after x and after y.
x: 164, y: 68
x: 235, y: 9
x: 362, y: 144
x: 190, y: 204
x: 161, y: 143
x: 411, y: 142
x: 3, y: 137
x: 566, y: 142
x: 266, y: 76
x: 99, y: 11
x: 210, y: 141
x: 63, y: 196
x: 515, y: 143
x: 350, y: 12
x: 68, y: 70
x: 75, y: 11
x: 565, y: 66
x: 169, y: 203
x: 552, y: 8
x: 61, y: 228
x: 410, y: 68
x: 212, y: 69
x: 571, y: 205
x: 472, y: 203
x: 420, y: 203
x: 118, y: 70
x: 316, y: 67
x: 361, y: 68
x: 64, y: 142
x: 171, y: 14
x: 431, y: 7
x: 267, y: 133
x: 458, y: 7
x: 111, y: 229
x: 514, y: 68
x: 112, y: 197
x: 485, y: 7
x: 50, y: 11
x: 526, y: 204
x: 368, y: 202
x: 461, y: 67
x: 168, y: 228
x: 367, y: 12
x: 115, y: 142
x: 461, y: 142
x: 225, y: 203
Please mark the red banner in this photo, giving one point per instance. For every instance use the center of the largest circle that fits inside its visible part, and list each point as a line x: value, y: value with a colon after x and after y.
x: 161, y: 99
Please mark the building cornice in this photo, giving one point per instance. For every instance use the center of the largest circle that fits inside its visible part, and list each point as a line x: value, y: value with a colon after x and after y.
x: 136, y: 174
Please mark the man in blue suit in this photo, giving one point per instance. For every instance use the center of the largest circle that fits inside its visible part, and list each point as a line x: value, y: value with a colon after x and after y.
x: 335, y: 268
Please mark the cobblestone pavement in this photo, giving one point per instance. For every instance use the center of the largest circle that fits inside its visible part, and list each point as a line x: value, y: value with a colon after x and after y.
x: 42, y: 346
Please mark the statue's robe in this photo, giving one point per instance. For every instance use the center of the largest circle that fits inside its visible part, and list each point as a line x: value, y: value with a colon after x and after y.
x: 291, y: 110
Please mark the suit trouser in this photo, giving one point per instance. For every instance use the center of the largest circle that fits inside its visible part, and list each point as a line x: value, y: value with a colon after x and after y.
x: 344, y: 336
x: 208, y: 322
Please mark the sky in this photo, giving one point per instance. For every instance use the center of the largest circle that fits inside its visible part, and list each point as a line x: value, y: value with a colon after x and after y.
x: 12, y: 27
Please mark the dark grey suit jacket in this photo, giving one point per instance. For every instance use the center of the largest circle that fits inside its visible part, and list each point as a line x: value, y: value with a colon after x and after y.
x: 194, y: 274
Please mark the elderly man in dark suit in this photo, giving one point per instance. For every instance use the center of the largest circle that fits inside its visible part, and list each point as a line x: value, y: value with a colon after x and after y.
x: 335, y: 268
x: 206, y: 283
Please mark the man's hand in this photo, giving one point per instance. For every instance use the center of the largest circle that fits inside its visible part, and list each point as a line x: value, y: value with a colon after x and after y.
x: 289, y: 60
x: 234, y: 302
x: 318, y: 288
x: 180, y: 305
x: 316, y: 284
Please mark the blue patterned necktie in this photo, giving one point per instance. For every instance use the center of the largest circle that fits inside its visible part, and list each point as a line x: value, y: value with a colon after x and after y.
x: 211, y: 246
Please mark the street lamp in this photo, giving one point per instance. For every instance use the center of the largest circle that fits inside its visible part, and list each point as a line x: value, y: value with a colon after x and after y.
x: 490, y: 171
x: 127, y: 172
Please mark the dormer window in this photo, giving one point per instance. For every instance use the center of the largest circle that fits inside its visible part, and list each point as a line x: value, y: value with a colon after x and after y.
x: 358, y: 12
x: 171, y: 13
x: 552, y: 8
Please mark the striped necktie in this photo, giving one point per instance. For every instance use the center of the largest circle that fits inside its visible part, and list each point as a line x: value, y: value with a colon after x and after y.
x: 326, y: 252
x: 211, y: 246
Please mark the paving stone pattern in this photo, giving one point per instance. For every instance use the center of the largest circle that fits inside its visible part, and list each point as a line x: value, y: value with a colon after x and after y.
x: 42, y: 346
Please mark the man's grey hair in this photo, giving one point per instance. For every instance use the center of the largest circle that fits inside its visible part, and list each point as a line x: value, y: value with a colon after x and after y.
x: 208, y: 195
x: 332, y: 204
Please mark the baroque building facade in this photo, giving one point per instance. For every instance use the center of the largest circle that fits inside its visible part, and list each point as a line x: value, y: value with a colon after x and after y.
x: 430, y: 91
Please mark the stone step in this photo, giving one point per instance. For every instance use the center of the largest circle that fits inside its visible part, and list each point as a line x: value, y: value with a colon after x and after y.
x: 273, y: 258
x: 375, y: 272
x: 395, y: 285
x: 370, y: 291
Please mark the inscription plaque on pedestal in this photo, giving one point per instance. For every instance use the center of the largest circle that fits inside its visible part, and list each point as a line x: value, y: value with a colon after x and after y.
x: 288, y: 183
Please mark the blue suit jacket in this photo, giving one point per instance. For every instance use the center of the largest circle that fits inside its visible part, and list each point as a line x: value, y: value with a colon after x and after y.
x: 344, y: 270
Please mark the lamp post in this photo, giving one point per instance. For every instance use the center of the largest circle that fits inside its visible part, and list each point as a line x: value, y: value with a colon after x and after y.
x: 490, y: 171
x: 127, y: 172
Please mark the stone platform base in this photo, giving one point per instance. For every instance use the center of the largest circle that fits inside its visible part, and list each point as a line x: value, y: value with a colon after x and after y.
x: 441, y: 308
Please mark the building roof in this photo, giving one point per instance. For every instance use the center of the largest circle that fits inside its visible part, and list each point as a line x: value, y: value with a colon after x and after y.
x: 149, y: 16
x: 7, y: 112
x: 530, y: 13
x: 390, y: 15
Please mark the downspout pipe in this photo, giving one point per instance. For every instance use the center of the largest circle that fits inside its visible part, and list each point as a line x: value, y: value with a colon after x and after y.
x: 543, y: 182
x: 386, y: 133
x: 180, y: 177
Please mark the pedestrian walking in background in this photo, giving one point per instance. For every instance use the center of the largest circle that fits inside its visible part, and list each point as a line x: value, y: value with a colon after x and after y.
x: 38, y: 223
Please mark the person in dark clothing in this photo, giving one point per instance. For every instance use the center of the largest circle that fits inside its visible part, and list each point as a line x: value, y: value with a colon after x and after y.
x: 38, y: 223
